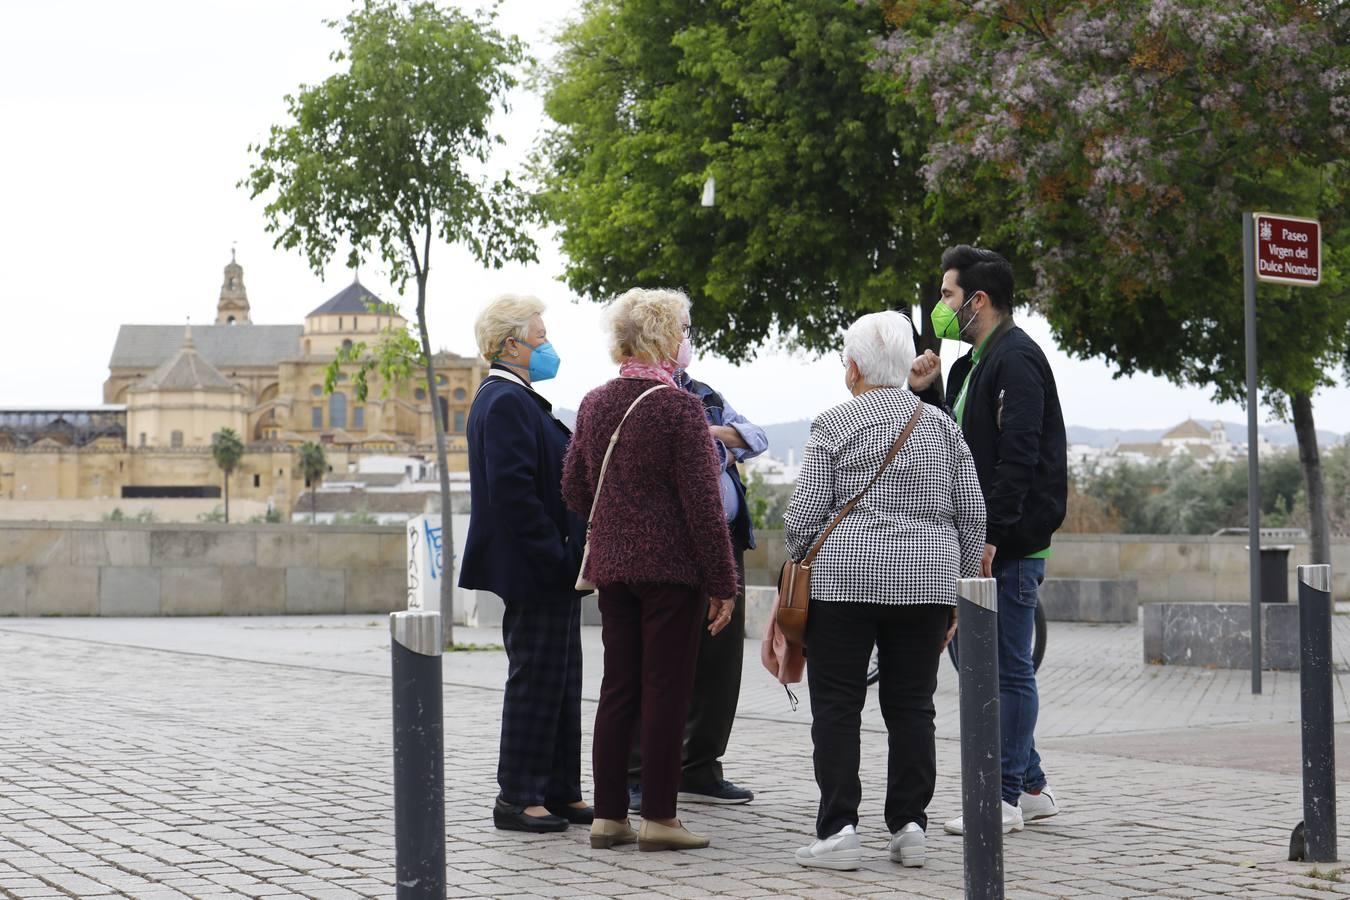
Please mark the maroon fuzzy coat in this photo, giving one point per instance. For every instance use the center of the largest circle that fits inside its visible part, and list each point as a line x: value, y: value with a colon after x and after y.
x: 660, y: 516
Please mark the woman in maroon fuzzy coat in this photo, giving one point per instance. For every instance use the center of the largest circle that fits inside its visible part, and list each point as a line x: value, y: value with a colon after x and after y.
x: 659, y: 549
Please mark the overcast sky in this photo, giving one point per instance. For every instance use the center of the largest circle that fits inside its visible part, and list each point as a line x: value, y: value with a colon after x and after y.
x: 126, y: 127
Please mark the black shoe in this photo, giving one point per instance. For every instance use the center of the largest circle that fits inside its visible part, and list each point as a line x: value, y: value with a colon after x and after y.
x: 635, y: 798
x: 717, y: 792
x: 509, y: 817
x: 577, y: 815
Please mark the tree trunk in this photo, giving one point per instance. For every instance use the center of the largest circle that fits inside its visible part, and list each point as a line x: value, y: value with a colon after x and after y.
x: 928, y: 298
x: 1311, y: 461
x: 314, y: 501
x: 227, y: 497
x: 442, y: 468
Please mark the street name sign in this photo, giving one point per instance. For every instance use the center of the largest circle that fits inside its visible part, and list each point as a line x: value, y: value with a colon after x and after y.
x: 1288, y: 250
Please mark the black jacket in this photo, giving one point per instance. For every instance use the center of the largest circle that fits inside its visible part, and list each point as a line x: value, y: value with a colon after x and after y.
x: 523, y: 542
x: 1015, y: 430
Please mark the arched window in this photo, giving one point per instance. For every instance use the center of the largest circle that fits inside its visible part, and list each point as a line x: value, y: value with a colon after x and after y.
x: 420, y: 393
x: 460, y: 394
x: 337, y: 411
x: 176, y: 439
x: 347, y: 344
x: 315, y: 390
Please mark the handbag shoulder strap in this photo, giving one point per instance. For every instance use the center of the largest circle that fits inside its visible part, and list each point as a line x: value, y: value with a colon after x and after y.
x: 848, y: 507
x: 614, y: 439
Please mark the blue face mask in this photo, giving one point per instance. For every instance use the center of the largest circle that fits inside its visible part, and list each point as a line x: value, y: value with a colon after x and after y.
x: 544, y: 362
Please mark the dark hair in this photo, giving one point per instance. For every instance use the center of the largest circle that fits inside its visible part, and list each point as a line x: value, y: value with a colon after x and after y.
x: 981, y: 270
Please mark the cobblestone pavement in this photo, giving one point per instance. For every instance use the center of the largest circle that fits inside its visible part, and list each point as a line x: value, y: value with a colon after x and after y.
x: 251, y: 757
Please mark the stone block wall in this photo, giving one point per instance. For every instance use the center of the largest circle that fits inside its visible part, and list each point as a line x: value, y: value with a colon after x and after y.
x: 129, y: 569
x: 1168, y: 568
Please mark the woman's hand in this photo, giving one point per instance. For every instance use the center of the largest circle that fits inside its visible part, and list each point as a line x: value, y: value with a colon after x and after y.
x: 951, y: 630
x: 719, y: 614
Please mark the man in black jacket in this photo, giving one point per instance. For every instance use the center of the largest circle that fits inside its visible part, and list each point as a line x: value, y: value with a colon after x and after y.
x: 1002, y: 393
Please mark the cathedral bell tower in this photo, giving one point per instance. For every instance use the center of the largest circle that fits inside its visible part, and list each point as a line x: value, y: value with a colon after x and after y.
x: 233, y: 306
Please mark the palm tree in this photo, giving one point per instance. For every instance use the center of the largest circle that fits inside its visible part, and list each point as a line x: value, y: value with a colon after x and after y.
x: 314, y: 465
x: 227, y: 450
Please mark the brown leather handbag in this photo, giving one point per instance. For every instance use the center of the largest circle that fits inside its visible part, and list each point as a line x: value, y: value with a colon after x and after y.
x: 794, y: 579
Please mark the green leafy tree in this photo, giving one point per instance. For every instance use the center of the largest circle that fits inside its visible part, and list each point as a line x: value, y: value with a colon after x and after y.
x: 1113, y: 146
x: 1180, y: 497
x: 386, y: 157
x: 227, y: 449
x: 818, y: 211
x: 314, y: 466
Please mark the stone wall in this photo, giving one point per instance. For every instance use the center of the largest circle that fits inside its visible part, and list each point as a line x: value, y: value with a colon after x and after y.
x: 1168, y: 568
x: 125, y: 569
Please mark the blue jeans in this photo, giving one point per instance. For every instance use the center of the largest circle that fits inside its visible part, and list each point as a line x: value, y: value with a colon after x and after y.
x: 1018, y: 581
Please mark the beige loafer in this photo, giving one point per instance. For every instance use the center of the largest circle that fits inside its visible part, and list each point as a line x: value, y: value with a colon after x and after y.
x: 607, y: 833
x: 655, y: 836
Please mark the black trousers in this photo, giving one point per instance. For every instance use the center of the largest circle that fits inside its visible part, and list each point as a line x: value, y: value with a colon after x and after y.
x: 540, y: 757
x: 839, y: 641
x: 717, y: 691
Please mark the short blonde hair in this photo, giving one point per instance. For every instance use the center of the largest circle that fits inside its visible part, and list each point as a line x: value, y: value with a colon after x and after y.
x: 507, y: 316
x: 644, y: 324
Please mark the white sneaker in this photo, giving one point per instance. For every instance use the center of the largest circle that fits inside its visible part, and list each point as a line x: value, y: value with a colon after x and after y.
x: 907, y: 846
x: 842, y: 851
x: 1012, y: 821
x: 1038, y: 806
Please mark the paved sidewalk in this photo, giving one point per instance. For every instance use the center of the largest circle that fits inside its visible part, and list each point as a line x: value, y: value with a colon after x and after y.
x: 251, y: 757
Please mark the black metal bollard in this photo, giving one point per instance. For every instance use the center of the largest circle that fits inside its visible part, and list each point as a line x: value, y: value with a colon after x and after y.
x: 1315, y: 686
x: 419, y: 755
x: 981, y: 759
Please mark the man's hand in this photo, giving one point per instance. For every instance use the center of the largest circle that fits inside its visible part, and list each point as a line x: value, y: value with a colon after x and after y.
x: 730, y: 437
x: 924, y: 371
x: 719, y: 614
x: 951, y: 630
x: 987, y: 561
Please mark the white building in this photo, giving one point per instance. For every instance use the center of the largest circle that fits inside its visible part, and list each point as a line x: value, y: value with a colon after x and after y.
x: 771, y: 469
x: 1190, y: 440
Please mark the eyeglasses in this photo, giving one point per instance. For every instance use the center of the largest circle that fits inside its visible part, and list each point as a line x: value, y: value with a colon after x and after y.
x: 690, y: 332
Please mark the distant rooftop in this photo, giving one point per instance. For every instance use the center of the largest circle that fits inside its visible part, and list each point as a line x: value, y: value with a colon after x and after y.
x: 223, y: 346
x: 354, y: 298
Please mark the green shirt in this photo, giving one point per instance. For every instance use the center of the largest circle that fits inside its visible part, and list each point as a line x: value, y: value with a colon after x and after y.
x: 960, y: 409
x: 960, y: 406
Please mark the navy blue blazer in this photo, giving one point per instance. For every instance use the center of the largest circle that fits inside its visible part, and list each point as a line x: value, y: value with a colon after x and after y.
x: 522, y: 540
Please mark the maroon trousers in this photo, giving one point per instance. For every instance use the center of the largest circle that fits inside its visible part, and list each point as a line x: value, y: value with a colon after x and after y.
x: 651, y: 634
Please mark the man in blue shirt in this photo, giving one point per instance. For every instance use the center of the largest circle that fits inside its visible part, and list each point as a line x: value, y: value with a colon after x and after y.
x: 717, y: 677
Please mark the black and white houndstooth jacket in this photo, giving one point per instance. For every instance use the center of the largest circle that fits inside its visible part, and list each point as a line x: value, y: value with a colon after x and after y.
x: 918, y: 529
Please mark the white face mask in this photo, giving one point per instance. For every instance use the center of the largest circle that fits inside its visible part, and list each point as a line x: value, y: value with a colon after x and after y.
x: 685, y: 355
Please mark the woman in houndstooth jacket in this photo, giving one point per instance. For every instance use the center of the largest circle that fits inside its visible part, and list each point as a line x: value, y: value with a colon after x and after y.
x: 885, y: 577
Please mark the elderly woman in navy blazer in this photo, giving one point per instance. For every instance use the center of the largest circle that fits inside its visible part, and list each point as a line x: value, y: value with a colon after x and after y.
x: 525, y: 546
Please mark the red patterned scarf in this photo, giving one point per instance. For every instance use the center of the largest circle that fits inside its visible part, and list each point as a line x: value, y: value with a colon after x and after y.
x: 633, y: 368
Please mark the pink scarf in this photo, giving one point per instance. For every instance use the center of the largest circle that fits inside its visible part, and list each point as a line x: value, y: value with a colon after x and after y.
x: 634, y: 368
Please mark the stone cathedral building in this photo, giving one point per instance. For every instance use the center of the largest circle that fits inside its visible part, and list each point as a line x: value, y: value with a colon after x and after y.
x: 171, y: 387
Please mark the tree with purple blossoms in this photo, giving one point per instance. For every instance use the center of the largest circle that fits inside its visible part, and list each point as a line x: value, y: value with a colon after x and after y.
x: 1114, y: 146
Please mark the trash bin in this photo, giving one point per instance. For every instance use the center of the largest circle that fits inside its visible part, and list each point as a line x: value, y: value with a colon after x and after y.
x: 1275, y: 573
